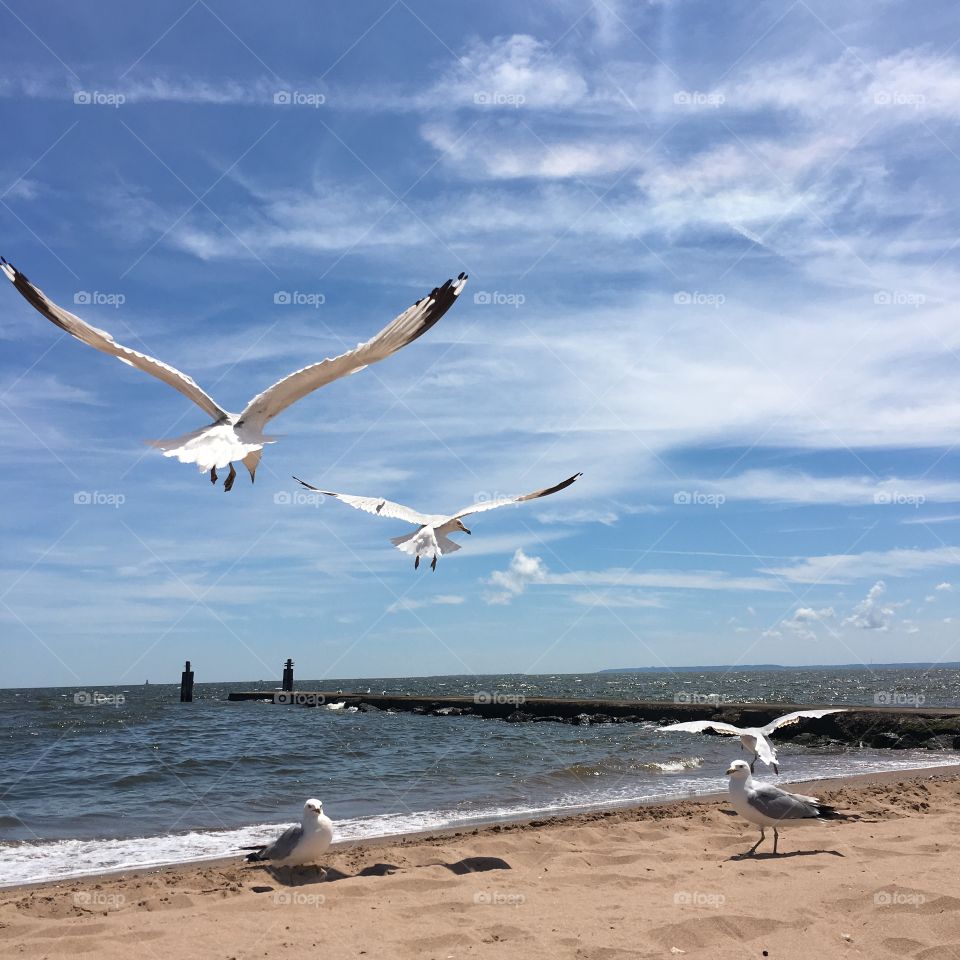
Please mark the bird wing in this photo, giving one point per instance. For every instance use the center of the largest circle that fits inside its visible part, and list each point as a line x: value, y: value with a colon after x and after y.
x: 790, y: 718
x: 377, y: 505
x: 765, y: 750
x: 504, y: 501
x: 284, y: 845
x: 777, y: 804
x: 412, y: 323
x: 698, y: 726
x: 101, y: 340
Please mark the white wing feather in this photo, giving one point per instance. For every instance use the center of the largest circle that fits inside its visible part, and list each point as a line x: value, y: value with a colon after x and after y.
x: 505, y: 501
x: 104, y: 342
x: 376, y: 505
x: 698, y: 726
x: 412, y: 323
x: 790, y: 718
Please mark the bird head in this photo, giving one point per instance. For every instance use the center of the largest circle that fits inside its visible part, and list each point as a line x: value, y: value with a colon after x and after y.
x: 312, y: 808
x: 738, y: 770
x: 460, y: 526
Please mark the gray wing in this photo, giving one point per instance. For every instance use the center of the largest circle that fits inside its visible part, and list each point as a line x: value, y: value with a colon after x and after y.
x: 777, y: 804
x: 503, y: 501
x: 283, y: 846
x: 377, y: 505
x: 102, y: 341
x: 790, y: 718
x: 412, y: 323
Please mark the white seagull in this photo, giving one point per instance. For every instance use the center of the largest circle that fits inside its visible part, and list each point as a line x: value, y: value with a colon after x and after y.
x: 769, y: 806
x: 755, y: 739
x: 240, y: 436
x: 432, y: 536
x: 303, y: 843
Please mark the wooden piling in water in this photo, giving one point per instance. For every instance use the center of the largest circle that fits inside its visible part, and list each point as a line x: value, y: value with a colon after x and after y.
x: 186, y: 684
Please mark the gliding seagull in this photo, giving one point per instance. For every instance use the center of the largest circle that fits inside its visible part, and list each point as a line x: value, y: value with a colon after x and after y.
x: 755, y: 739
x: 239, y: 436
x: 769, y: 806
x: 432, y: 538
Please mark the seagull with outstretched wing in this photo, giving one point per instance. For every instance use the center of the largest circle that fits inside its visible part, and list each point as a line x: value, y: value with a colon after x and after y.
x: 432, y: 538
x: 240, y: 436
x: 755, y: 739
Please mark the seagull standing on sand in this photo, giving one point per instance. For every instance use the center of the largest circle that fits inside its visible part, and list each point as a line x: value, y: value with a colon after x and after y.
x: 240, y: 436
x: 755, y: 739
x: 769, y: 806
x: 432, y: 538
x: 300, y: 844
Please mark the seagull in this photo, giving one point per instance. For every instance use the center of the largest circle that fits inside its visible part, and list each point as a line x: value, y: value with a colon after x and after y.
x: 240, y: 436
x: 432, y: 536
x: 769, y: 806
x: 300, y: 844
x: 755, y: 739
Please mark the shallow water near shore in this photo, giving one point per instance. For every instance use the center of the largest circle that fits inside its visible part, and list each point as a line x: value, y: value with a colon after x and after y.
x: 134, y: 778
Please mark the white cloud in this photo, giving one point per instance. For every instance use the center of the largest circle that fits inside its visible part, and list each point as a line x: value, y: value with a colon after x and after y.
x: 946, y: 587
x: 584, y: 515
x: 525, y: 570
x: 406, y: 604
x: 872, y: 613
x: 843, y: 568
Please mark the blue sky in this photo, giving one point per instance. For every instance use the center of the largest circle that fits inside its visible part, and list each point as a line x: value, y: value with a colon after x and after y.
x: 713, y: 259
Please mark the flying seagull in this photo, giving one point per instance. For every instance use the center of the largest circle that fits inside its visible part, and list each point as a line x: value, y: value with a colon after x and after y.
x: 769, y: 806
x: 755, y: 739
x: 432, y: 536
x: 300, y: 844
x: 240, y: 436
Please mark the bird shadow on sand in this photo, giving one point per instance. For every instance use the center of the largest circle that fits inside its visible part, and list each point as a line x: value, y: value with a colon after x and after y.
x: 308, y: 876
x: 747, y: 855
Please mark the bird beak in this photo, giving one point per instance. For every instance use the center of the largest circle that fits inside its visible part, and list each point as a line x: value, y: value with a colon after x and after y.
x: 465, y: 530
x: 729, y: 771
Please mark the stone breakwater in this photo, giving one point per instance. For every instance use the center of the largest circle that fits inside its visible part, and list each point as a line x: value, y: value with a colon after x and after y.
x: 897, y: 728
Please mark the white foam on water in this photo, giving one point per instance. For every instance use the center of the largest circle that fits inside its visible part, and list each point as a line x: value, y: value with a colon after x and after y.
x: 30, y: 862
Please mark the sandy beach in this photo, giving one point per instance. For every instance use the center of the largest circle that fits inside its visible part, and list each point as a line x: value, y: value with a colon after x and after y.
x: 656, y: 881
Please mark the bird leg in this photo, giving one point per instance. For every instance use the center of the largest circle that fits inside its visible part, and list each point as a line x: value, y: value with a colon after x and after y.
x: 416, y: 562
x: 433, y: 562
x: 753, y: 849
x: 213, y: 474
x: 776, y: 769
x: 776, y: 837
x: 752, y: 762
x: 231, y: 476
